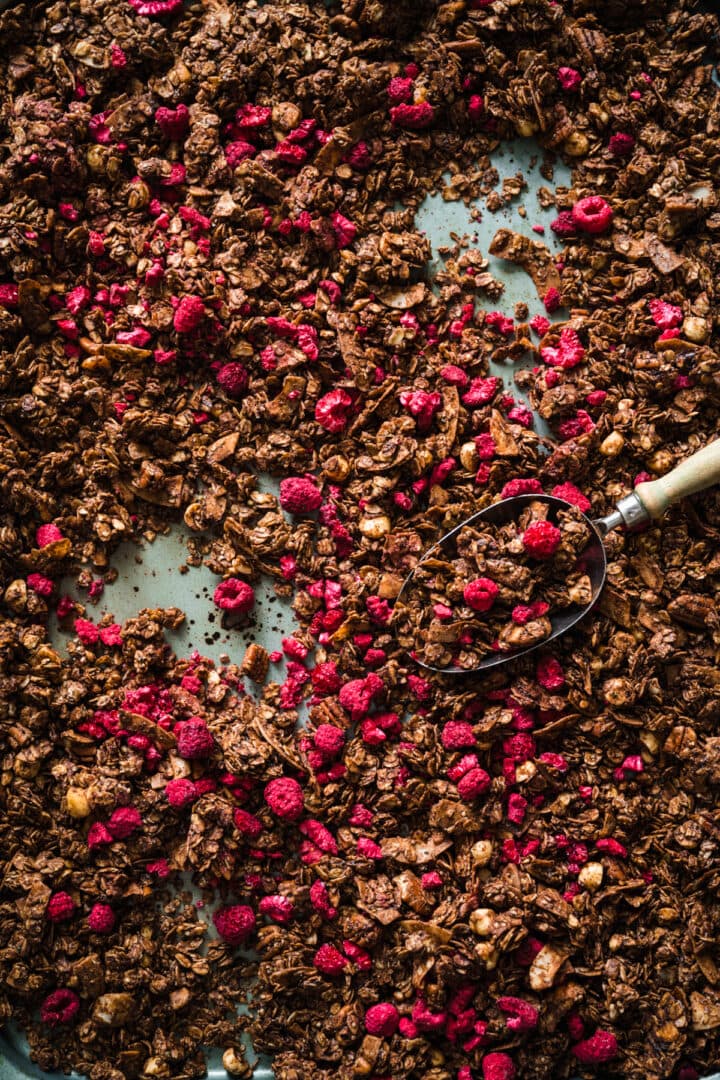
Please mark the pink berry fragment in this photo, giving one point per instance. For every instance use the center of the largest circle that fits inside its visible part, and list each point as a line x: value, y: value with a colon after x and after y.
x: 60, y: 907
x: 284, y: 796
x: 382, y: 1020
x: 299, y: 495
x: 235, y: 923
x: 598, y: 1049
x: 329, y: 961
x: 59, y: 1007
x: 541, y: 539
x: 101, y: 919
x: 234, y: 595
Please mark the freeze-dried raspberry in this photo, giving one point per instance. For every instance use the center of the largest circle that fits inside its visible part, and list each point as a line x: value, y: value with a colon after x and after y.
x: 343, y: 228
x: 180, y: 792
x: 621, y: 145
x: 173, y: 122
x: 299, y: 495
x: 517, y: 808
x: 521, y: 485
x: 407, y: 1029
x: 101, y: 919
x: 357, y: 695
x: 473, y: 784
x: 159, y: 868
x: 522, y: 1016
x: 233, y: 379
x: 592, y: 214
x: 9, y: 295
x: 498, y: 1067
x: 329, y: 739
x: 612, y: 847
x: 48, y: 534
x: 541, y: 539
x: 540, y: 325
x: 571, y: 494
x: 238, y: 151
x: 569, y: 78
x: 77, y: 299
x: 60, y: 907
x: 481, y: 391
x: 368, y: 848
x: 549, y: 673
x: 321, y: 837
x: 431, y: 880
x: 284, y: 796
x: 504, y: 324
x: 189, y: 314
x: 568, y: 353
x: 400, y: 90
x: 110, y: 635
x: 326, y: 678
x: 454, y: 375
x: 253, y: 116
x: 555, y: 761
x: 320, y: 900
x: 59, y: 1007
x: 520, y: 414
x: 422, y: 406
x: 564, y: 224
x: 359, y: 156
x: 278, y: 908
x: 123, y: 822
x: 138, y: 337
x: 360, y: 957
x: 599, y: 1048
x: 457, y: 734
x: 476, y: 107
x: 333, y: 410
x: 480, y: 594
x: 666, y: 316
x: 426, y: 1020
x: 329, y: 961
x: 234, y: 595
x: 412, y: 117
x: 39, y: 584
x: 552, y: 300
x: 382, y: 1019
x: 235, y: 923
x: 98, y: 835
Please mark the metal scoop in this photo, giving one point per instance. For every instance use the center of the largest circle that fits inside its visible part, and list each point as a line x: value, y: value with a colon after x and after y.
x: 648, y: 502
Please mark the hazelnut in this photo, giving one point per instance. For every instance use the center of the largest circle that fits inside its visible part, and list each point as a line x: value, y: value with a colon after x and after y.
x: 525, y: 772
x: 481, y: 852
x: 16, y: 595
x: 76, y: 803
x: 375, y: 526
x: 481, y: 921
x: 576, y: 144
x: 234, y: 1063
x: 612, y: 444
x: 336, y: 469
x: 469, y: 457
x: 591, y: 876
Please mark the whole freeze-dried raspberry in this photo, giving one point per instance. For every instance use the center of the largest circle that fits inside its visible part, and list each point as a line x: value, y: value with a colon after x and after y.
x: 284, y: 796
x: 498, y: 1067
x: 333, y: 410
x: 599, y: 1048
x: 123, y: 822
x: 189, y: 314
x: 621, y: 144
x: 541, y: 539
x: 194, y: 739
x: 101, y: 919
x: 278, y: 908
x: 457, y: 734
x: 568, y: 353
x: 569, y: 78
x: 39, y: 584
x: 329, y: 739
x: 326, y: 678
x: 59, y: 1007
x: 98, y: 835
x: 329, y: 961
x: 382, y: 1019
x: 60, y: 907
x: 235, y: 923
x: 480, y: 594
x: 412, y: 117
x: 238, y: 151
x: 400, y: 90
x: 173, y: 122
x: 233, y: 379
x: 48, y: 534
x: 299, y: 495
x: 666, y: 316
x: 369, y: 849
x: 540, y: 325
x: 320, y: 900
x: 571, y: 494
x: 549, y: 673
x: 180, y: 792
x: 155, y: 8
x: 552, y: 300
x: 356, y: 696
x: 592, y: 214
x: 473, y: 784
x: 521, y: 485
x: 234, y: 595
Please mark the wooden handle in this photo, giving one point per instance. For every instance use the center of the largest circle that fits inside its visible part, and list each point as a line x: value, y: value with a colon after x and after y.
x: 698, y: 472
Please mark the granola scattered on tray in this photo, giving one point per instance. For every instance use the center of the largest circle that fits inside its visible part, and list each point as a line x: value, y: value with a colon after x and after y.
x: 210, y: 269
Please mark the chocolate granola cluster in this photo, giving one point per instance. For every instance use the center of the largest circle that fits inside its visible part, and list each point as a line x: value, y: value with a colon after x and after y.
x: 209, y: 269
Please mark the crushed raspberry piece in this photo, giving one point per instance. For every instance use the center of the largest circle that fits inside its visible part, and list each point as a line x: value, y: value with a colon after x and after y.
x: 412, y: 117
x: 333, y: 410
x: 571, y: 494
x: 359, y: 156
x: 39, y: 584
x: 504, y: 324
x: 431, y: 880
x: 521, y: 486
x: 454, y: 375
x: 522, y: 614
x: 320, y: 900
x: 329, y: 961
x: 118, y: 59
x: 540, y: 325
x: 194, y: 739
x: 498, y: 1067
x: 568, y: 352
x: 123, y: 822
x: 101, y: 919
x: 666, y: 316
x: 110, y: 635
x: 400, y: 90
x: 284, y: 796
x: 325, y: 678
x: 48, y: 534
x: 592, y: 215
x: 564, y: 224
x: 360, y: 958
x: 343, y: 228
x: 517, y: 808
x: 98, y: 835
x: 247, y: 824
x: 457, y: 734
x: 612, y: 847
x: 541, y: 539
x: 253, y: 116
x: 480, y: 594
x: 234, y: 595
x: 77, y: 299
x: 599, y: 1048
x: 60, y: 907
x: 522, y: 1016
x: 278, y: 908
x: 180, y: 792
x: 473, y: 784
x: 321, y: 837
x: 476, y: 107
x: 621, y: 144
x: 520, y: 414
x: 368, y: 848
x: 569, y: 78
x: 159, y: 868
x: 407, y: 1029
x: 552, y: 300
x: 9, y: 295
x: 382, y: 1019
x: 481, y: 391
x: 238, y: 151
x: 555, y: 761
x: 299, y: 495
x: 189, y: 314
x: 86, y: 631
x: 422, y: 406
x: 426, y: 1020
x: 596, y: 397
x: 235, y: 923
x: 549, y: 673
x: 356, y: 696
x: 173, y: 122
x: 59, y: 1007
x: 152, y: 8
